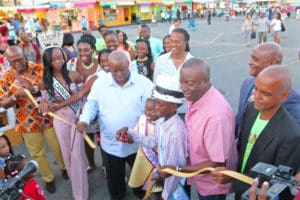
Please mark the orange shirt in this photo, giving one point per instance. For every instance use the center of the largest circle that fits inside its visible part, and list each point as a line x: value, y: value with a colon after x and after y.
x: 27, y: 117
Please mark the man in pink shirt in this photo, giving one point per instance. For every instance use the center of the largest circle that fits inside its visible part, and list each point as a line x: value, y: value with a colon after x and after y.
x: 210, y: 123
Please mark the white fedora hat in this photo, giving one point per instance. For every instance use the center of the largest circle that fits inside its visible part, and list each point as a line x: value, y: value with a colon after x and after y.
x: 168, y: 89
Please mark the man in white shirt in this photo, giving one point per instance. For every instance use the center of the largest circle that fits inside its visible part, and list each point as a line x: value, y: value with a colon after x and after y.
x: 176, y: 24
x: 118, y: 99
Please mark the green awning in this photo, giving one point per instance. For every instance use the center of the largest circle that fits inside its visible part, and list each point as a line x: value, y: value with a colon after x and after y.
x: 108, y: 3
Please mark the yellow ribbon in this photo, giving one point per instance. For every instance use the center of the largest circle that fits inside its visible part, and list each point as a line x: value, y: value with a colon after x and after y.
x: 232, y: 174
x: 85, y: 136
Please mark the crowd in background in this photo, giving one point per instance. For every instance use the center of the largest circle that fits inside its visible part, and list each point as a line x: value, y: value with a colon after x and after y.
x: 152, y: 93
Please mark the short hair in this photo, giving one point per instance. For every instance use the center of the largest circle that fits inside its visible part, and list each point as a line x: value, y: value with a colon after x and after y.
x: 103, y: 51
x: 272, y: 50
x: 281, y: 73
x: 199, y: 63
x: 119, y: 56
x: 110, y: 32
x: 166, y: 37
x: 68, y: 39
x: 145, y: 26
x: 13, y: 49
x: 102, y: 26
x: 89, y: 39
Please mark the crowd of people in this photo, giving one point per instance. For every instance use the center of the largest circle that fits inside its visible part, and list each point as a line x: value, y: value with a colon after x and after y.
x: 153, y: 105
x: 260, y: 26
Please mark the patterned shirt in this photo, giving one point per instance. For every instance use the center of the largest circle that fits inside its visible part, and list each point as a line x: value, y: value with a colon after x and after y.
x: 27, y: 117
x: 143, y: 67
x: 171, y: 139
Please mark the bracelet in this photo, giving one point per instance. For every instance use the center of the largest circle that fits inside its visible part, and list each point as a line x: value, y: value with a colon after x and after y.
x: 13, y: 97
x: 179, y: 168
x: 35, y: 89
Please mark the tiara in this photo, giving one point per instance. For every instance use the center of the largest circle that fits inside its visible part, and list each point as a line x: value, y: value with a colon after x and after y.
x: 50, y: 39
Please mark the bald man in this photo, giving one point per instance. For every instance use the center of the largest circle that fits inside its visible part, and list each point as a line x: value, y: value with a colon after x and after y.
x: 262, y: 56
x: 210, y: 124
x: 33, y: 126
x: 118, y: 99
x: 268, y: 132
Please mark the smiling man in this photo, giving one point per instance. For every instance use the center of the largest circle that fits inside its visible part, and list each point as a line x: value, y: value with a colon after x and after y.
x: 118, y: 100
x: 210, y: 124
x: 32, y: 125
x: 262, y: 56
x: 268, y: 132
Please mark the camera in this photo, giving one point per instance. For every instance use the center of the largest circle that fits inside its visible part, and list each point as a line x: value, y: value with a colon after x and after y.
x: 281, y: 181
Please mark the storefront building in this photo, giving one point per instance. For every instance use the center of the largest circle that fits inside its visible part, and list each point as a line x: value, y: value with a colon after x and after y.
x: 59, y: 13
x: 144, y: 9
x: 114, y: 13
x: 185, y: 6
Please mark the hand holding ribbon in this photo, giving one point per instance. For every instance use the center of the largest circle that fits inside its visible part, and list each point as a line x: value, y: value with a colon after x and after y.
x: 232, y: 174
x: 87, y: 139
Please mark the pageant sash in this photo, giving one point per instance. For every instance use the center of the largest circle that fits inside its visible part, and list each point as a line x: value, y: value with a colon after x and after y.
x: 85, y: 136
x: 150, y: 154
x: 64, y: 93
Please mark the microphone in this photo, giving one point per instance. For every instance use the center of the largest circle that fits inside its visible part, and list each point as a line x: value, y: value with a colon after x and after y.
x: 29, y: 168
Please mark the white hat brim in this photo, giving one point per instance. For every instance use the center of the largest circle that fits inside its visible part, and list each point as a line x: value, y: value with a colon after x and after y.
x: 167, y: 98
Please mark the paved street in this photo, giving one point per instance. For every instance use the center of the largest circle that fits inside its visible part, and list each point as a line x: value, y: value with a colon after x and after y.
x: 222, y: 45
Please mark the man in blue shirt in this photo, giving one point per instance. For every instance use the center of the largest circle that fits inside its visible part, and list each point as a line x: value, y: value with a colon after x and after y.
x: 17, y: 26
x: 118, y: 99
